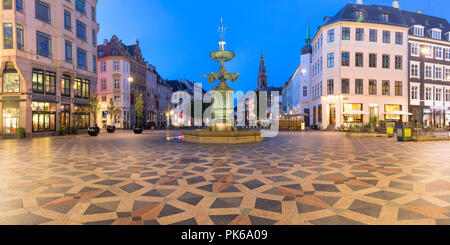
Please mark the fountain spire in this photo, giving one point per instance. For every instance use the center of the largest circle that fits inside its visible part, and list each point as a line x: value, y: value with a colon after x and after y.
x: 222, y: 31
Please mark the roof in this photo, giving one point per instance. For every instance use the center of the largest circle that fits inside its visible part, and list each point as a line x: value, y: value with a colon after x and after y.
x: 371, y: 14
x: 427, y: 21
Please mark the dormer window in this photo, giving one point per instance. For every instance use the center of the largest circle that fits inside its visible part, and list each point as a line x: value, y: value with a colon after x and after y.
x: 436, y: 33
x: 384, y: 17
x: 418, y: 31
x: 100, y: 53
x: 114, y: 52
x: 358, y: 14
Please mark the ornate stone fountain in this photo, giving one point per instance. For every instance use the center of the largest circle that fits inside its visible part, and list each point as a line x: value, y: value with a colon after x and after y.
x: 222, y: 129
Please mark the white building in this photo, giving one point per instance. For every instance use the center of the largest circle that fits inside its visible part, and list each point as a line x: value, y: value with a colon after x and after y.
x: 359, y: 67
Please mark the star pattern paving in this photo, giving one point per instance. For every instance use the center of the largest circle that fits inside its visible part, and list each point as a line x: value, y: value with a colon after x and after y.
x: 317, y: 178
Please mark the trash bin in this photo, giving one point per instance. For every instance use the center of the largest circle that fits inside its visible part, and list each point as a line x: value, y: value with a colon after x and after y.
x: 390, y: 129
x: 303, y: 127
x: 405, y: 132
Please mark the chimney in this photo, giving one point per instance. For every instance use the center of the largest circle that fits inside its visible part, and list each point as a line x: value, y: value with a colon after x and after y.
x: 359, y: 2
x: 105, y: 41
x: 419, y: 11
x: 396, y: 4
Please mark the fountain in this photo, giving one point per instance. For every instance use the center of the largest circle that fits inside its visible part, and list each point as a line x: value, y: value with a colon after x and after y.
x: 222, y: 129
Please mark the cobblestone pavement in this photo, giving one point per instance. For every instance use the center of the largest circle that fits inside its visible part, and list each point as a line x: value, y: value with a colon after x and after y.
x: 297, y: 178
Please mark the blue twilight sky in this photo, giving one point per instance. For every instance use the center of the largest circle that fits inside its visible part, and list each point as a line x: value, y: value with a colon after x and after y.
x: 177, y: 35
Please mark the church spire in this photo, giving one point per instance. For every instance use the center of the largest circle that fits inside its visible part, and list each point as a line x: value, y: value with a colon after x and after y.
x: 262, y: 75
x: 308, y: 33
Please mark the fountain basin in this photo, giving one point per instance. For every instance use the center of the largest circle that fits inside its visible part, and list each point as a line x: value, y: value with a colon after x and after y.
x: 207, y: 136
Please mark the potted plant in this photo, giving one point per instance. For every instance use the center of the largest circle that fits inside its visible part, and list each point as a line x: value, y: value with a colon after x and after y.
x: 62, y: 130
x: 21, y: 133
x: 94, y: 107
x: 74, y: 130
x: 112, y: 111
x: 139, y: 107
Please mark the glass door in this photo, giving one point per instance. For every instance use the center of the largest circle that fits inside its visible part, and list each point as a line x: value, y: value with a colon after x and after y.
x: 10, y: 118
x: 332, y: 114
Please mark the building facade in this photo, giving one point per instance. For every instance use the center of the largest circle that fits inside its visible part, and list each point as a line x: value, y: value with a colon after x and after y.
x: 359, y: 67
x: 429, y: 69
x: 114, y: 83
x: 152, y: 93
x: 163, y: 103
x: 48, y: 64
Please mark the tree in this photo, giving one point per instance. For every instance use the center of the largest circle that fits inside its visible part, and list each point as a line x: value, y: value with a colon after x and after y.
x: 94, y: 108
x: 139, y: 108
x: 112, y: 110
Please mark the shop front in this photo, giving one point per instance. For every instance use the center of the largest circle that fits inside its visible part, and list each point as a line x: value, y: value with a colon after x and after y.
x: 43, y: 116
x: 65, y: 117
x: 82, y: 117
x: 10, y: 118
x: 392, y: 113
x: 352, y: 115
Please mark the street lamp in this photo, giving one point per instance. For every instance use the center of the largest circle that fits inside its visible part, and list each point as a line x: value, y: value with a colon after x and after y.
x: 425, y: 50
x: 130, y: 79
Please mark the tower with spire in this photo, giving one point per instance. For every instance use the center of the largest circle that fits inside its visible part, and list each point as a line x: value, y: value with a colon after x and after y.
x: 262, y: 75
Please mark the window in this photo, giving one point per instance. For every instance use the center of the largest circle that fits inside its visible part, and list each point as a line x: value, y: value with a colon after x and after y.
x: 116, y: 65
x: 398, y: 88
x: 392, y: 108
x: 350, y: 108
x: 398, y: 62
x: 429, y: 51
x: 116, y: 97
x: 359, y: 59
x: 345, y: 86
x: 428, y: 72
x: 418, y: 31
x: 358, y: 14
x: 92, y: 13
x: 50, y: 82
x: 100, y: 53
x: 414, y: 49
x: 427, y: 93
x: 44, y: 81
x: 11, y: 79
x: 94, y: 38
x: 372, y: 87
x: 447, y: 53
x: 373, y: 60
x: 19, y: 34
x: 114, y: 52
x: 19, y: 5
x: 67, y: 20
x: 386, y: 37
x: 438, y: 94
x: 399, y: 38
x: 305, y: 91
x: 44, y: 44
x: 331, y: 35
x: 386, y: 61
x: 103, y: 84
x: 384, y: 17
x: 438, y: 52
x: 65, y: 85
x: 330, y: 86
x: 104, y: 98
x: 68, y: 51
x: 438, y: 73
x: 81, y: 88
x: 359, y: 34
x: 7, y: 4
x: 42, y: 11
x: 330, y: 62
x: 345, y: 58
x: 117, y: 83
x: 436, y: 34
x: 44, y: 116
x: 447, y: 74
x: 359, y: 86
x: 81, y: 30
x: 447, y: 95
x: 386, y: 88
x: 414, y: 93
x: 8, y: 42
x: 373, y: 35
x: 80, y: 6
x: 94, y: 63
x: 102, y: 66
x: 415, y: 70
x: 81, y: 59
x: 345, y: 33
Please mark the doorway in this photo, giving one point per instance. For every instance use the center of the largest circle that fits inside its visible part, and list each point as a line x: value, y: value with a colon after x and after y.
x: 65, y: 117
x: 332, y: 114
x: 11, y: 114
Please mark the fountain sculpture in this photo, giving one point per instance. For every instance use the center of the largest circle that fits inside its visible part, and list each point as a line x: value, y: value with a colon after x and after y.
x: 222, y: 129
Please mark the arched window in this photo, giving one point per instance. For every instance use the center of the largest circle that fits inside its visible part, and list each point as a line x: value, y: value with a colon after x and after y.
x: 11, y: 79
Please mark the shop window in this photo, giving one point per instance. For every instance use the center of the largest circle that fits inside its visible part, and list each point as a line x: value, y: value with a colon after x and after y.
x: 349, y: 113
x: 389, y: 109
x: 11, y: 114
x: 44, y: 116
x: 11, y: 79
